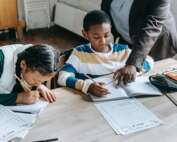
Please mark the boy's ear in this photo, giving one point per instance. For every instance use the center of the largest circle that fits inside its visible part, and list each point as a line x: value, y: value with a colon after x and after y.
x: 23, y: 66
x: 84, y: 33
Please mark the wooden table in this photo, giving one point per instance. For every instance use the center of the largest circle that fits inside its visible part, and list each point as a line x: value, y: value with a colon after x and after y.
x: 73, y: 119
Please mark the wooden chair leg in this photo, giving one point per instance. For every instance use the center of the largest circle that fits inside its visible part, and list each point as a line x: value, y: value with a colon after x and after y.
x: 19, y: 29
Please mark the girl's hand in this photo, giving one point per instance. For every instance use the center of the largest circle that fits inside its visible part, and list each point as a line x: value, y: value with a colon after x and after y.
x: 46, y: 93
x: 27, y: 97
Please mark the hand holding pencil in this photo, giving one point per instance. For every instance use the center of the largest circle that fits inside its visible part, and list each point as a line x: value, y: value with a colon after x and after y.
x: 28, y: 96
x: 97, y: 88
x: 32, y: 96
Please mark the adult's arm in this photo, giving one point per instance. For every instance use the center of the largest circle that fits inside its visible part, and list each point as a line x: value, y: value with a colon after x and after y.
x: 156, y: 14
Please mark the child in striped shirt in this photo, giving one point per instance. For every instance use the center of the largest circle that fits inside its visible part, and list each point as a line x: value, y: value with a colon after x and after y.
x: 97, y: 58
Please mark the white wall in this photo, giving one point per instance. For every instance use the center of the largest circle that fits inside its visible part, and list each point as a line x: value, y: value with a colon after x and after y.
x: 20, y: 6
x: 52, y: 2
x: 174, y: 7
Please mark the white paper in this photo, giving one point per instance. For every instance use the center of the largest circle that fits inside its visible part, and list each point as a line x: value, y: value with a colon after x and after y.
x: 115, y: 93
x: 10, y: 124
x: 127, y: 116
x: 32, y: 108
x: 142, y: 86
x: 30, y: 119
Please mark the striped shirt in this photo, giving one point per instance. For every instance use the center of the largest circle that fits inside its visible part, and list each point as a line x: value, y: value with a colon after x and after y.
x: 85, y: 60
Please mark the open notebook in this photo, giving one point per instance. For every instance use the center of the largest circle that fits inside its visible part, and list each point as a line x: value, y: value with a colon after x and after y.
x: 32, y: 108
x: 141, y: 87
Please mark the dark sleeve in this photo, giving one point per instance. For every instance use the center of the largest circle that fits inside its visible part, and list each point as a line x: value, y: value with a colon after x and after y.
x: 145, y: 38
x: 1, y: 62
x: 8, y: 99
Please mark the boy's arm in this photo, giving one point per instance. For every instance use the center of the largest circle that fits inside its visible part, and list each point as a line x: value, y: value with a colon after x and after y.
x: 67, y: 78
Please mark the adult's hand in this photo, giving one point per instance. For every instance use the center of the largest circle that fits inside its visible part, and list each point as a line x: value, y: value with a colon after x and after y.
x: 125, y: 75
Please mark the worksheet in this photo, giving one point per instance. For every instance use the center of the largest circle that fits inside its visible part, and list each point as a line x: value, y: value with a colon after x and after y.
x: 127, y: 116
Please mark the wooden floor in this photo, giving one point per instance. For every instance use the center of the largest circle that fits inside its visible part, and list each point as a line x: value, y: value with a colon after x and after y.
x: 55, y: 36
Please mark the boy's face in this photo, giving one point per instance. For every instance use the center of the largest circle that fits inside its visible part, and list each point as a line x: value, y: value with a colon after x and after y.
x: 99, y: 36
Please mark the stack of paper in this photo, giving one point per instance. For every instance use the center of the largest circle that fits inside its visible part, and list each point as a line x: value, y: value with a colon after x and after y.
x: 10, y: 124
x: 27, y: 113
x: 127, y: 116
x: 30, y: 119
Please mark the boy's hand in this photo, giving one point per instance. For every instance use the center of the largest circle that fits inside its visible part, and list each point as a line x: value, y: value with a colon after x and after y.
x: 46, y: 93
x: 125, y: 75
x: 27, y: 97
x: 98, y: 89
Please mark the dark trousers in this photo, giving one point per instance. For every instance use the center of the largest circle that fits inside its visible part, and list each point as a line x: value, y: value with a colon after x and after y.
x: 165, y: 46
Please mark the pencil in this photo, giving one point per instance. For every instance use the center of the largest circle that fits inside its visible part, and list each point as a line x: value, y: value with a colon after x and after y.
x: 89, y: 77
x: 170, y: 97
x: 47, y: 140
x: 25, y: 87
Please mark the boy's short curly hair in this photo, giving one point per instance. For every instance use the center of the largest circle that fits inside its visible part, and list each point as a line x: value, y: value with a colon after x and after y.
x: 95, y: 17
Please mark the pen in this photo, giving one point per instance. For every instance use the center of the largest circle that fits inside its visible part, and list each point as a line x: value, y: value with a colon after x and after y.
x: 47, y: 140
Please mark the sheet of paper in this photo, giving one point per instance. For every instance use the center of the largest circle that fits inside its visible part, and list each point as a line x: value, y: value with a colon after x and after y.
x: 32, y: 108
x: 127, y: 116
x: 10, y: 124
x: 30, y: 119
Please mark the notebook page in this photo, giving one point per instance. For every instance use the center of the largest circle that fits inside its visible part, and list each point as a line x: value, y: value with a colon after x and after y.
x: 115, y: 93
x: 142, y: 86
